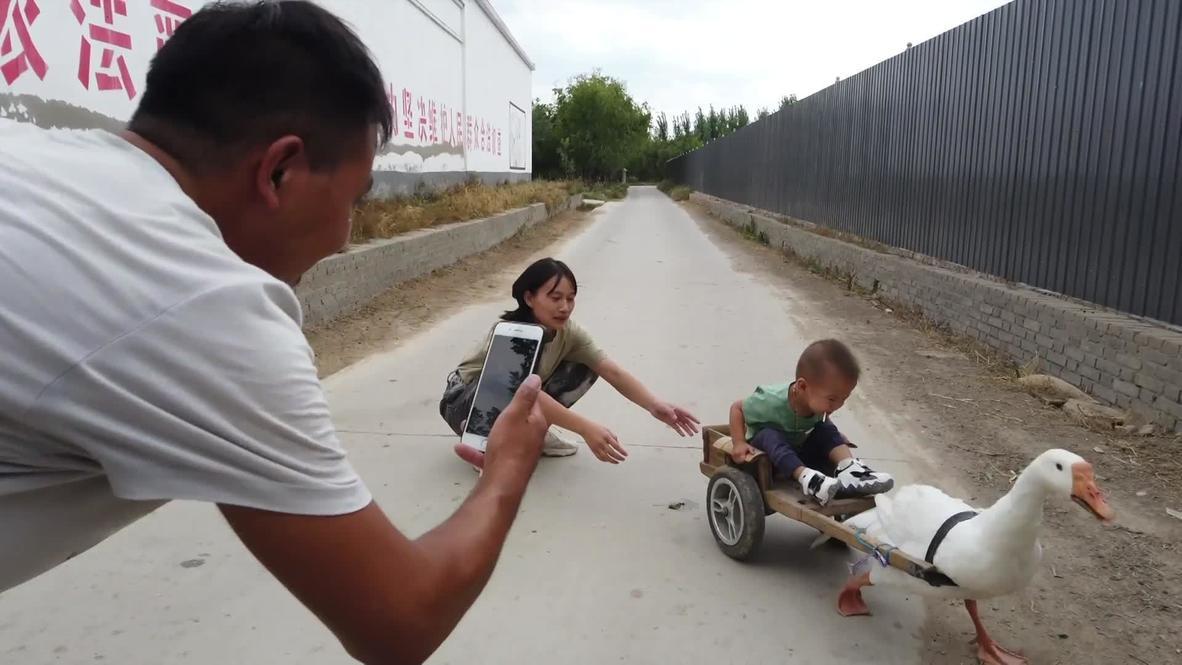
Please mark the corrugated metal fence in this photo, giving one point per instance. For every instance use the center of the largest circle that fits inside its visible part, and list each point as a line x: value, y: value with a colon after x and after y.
x: 1039, y: 143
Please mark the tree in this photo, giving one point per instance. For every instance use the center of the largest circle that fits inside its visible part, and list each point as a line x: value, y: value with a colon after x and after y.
x: 547, y: 160
x: 786, y: 101
x: 599, y: 126
x: 700, y: 127
x: 712, y: 125
x: 762, y: 113
x: 662, y: 128
x: 741, y: 118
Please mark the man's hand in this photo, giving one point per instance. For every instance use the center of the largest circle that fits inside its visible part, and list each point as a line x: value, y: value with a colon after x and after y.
x: 515, y: 441
x: 389, y: 599
x: 520, y: 429
x: 742, y: 452
x: 603, y: 444
x: 683, y: 422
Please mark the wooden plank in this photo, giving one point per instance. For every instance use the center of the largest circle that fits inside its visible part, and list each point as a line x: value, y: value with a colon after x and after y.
x: 726, y: 444
x: 721, y: 454
x: 897, y: 558
x: 715, y: 432
x: 710, y: 434
x: 788, y: 499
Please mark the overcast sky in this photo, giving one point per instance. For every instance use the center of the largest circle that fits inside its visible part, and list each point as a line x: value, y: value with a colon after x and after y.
x: 681, y: 54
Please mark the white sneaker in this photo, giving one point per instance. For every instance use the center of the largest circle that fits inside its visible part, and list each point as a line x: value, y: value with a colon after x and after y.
x: 857, y: 479
x: 820, y: 487
x: 556, y: 446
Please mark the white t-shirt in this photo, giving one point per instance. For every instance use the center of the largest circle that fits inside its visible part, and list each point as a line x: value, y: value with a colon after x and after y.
x: 142, y: 360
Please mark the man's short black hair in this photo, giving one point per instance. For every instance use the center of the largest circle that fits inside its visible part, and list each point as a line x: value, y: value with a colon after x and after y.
x: 236, y: 76
x: 824, y: 355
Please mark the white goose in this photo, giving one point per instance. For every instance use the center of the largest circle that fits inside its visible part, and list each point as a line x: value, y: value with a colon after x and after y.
x: 992, y: 553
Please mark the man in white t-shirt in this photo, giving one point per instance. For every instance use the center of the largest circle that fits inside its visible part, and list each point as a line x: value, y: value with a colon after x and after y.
x: 152, y: 343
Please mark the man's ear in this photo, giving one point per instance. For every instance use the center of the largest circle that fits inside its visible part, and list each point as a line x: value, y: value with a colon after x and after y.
x: 278, y: 161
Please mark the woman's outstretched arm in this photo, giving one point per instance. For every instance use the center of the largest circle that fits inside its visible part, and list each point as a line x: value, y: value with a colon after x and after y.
x: 602, y: 442
x: 682, y: 421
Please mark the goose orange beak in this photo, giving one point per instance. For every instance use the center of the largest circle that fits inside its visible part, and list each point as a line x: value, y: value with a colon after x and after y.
x: 1085, y: 493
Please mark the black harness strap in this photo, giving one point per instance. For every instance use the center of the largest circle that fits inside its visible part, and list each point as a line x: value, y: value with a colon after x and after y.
x: 942, y: 532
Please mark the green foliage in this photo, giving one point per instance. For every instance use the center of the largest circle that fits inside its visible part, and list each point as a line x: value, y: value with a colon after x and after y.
x: 606, y: 191
x: 675, y: 191
x: 547, y: 160
x: 599, y: 126
x: 595, y: 129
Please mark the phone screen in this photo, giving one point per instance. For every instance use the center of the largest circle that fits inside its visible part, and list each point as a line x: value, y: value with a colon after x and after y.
x: 510, y: 361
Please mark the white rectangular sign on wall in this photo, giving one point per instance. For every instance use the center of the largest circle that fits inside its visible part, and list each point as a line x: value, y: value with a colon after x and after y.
x: 518, y: 146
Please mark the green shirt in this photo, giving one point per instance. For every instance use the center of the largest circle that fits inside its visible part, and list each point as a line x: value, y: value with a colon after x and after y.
x: 768, y: 407
x: 572, y: 344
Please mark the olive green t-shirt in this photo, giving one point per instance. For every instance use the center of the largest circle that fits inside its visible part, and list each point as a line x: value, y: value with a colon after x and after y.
x: 768, y: 407
x: 572, y: 344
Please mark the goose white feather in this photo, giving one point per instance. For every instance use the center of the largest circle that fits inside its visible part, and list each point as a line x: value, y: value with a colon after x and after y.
x: 993, y: 554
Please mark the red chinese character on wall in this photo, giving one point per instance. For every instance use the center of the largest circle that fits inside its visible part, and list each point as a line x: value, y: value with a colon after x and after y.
x: 470, y: 139
x: 16, y: 59
x: 112, y: 72
x: 459, y: 129
x: 498, y: 143
x: 422, y: 120
x: 169, y: 14
x: 408, y: 120
x: 392, y: 98
x: 445, y: 135
x: 433, y: 123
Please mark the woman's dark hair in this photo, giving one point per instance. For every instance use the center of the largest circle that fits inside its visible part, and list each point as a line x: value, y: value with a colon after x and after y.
x: 531, y: 281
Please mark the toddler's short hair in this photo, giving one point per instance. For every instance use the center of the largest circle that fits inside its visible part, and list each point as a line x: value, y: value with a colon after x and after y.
x: 827, y: 353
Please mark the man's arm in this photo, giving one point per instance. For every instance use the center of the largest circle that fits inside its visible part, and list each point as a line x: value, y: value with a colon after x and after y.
x: 389, y: 599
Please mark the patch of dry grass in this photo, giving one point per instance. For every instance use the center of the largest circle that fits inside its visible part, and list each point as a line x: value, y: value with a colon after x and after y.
x: 391, y: 217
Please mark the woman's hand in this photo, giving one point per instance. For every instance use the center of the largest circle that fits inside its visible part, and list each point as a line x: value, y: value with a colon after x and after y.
x: 682, y: 421
x: 603, y: 444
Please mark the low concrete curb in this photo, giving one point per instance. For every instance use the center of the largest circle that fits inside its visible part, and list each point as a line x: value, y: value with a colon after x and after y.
x: 1132, y: 363
x: 343, y: 283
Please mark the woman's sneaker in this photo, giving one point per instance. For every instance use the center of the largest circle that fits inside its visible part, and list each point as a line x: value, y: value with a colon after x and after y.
x: 817, y: 485
x: 556, y: 446
x: 857, y: 479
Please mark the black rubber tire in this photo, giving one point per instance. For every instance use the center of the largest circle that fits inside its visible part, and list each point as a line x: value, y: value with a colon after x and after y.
x: 747, y: 509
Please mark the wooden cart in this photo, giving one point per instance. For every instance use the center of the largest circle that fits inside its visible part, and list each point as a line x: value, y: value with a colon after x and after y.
x: 739, y: 496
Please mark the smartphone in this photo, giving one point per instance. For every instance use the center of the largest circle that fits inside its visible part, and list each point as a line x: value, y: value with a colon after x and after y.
x: 512, y: 356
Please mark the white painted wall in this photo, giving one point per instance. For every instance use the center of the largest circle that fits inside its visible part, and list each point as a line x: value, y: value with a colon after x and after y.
x: 492, y: 71
x: 72, y: 52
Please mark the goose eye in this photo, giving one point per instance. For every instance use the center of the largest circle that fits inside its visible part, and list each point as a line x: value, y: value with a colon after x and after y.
x: 1058, y: 466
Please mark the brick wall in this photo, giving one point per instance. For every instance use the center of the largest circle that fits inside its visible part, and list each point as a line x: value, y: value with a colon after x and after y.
x: 342, y: 283
x: 1118, y: 359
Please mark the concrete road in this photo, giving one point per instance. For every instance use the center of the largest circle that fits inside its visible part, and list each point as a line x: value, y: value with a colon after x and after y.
x: 598, y: 568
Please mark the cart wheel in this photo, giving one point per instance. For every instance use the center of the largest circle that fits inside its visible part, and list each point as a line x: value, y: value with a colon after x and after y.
x: 735, y: 506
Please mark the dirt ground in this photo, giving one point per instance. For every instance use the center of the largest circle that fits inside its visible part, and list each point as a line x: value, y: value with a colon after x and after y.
x: 1104, y: 594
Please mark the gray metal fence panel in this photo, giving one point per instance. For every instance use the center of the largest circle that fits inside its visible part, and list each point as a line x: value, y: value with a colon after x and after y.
x: 1040, y: 143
